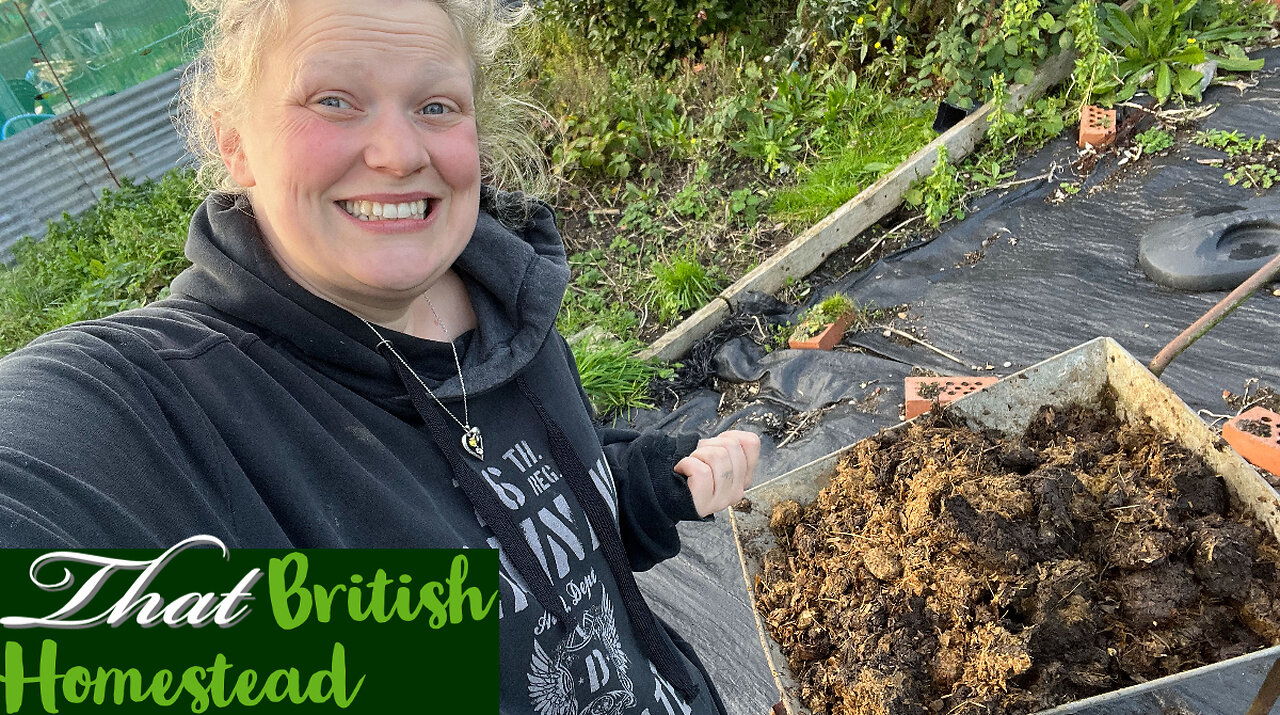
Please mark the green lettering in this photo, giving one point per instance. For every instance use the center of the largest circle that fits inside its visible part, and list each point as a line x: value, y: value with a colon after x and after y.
x: 131, y: 678
x: 324, y: 601
x: 15, y: 678
x: 193, y: 682
x: 290, y: 691
x: 378, y: 603
x: 336, y: 678
x: 401, y: 605
x: 280, y: 594
x: 429, y: 596
x: 75, y: 684
x: 244, y: 688
x: 160, y: 685
x: 355, y: 598
x: 458, y: 575
x: 49, y: 675
x: 218, y: 681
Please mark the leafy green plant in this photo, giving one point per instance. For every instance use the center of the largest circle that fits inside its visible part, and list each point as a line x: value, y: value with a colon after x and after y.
x: 1011, y: 38
x: 941, y: 193
x: 778, y: 337
x: 1154, y: 140
x: 1233, y: 143
x: 826, y: 312
x: 1094, y: 73
x: 612, y: 376
x: 121, y: 253
x: 657, y: 32
x: 1157, y: 48
x: 680, y: 285
x: 1253, y: 176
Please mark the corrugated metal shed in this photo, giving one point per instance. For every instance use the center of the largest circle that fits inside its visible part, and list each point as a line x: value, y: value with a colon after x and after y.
x: 53, y: 168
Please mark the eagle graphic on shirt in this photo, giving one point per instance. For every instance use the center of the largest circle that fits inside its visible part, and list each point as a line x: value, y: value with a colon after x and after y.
x: 592, y: 646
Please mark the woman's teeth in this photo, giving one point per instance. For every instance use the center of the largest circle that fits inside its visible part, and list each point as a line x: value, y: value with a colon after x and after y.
x: 374, y: 211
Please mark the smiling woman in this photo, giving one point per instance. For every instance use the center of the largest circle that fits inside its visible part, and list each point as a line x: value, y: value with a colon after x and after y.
x: 369, y: 105
x: 363, y: 354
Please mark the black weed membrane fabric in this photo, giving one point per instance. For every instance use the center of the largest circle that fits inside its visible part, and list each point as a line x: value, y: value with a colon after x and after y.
x: 1027, y: 275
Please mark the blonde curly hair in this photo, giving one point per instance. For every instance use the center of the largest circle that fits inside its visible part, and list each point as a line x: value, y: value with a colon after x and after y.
x: 227, y: 67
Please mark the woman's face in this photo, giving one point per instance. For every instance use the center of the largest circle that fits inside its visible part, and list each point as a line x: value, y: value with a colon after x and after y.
x: 363, y: 111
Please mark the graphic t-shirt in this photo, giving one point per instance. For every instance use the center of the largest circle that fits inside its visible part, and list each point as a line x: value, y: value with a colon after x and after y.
x: 595, y: 665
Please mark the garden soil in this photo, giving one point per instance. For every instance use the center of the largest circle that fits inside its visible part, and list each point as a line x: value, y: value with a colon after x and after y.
x: 946, y: 570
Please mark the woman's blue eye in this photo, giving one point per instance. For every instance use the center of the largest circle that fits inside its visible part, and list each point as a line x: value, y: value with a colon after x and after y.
x: 334, y: 102
x: 435, y: 108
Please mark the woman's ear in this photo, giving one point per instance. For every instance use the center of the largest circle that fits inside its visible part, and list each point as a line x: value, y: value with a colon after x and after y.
x: 232, y: 151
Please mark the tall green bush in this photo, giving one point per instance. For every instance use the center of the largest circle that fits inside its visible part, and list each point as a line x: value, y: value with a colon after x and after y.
x: 660, y: 32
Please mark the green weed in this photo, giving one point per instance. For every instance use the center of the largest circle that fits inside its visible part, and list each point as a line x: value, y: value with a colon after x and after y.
x: 680, y: 285
x: 1155, y: 140
x: 1253, y: 176
x: 1233, y: 143
x: 824, y: 313
x: 613, y: 378
x: 941, y: 194
x: 119, y: 254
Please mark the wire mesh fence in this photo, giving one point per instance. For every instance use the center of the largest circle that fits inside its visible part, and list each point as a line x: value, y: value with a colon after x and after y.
x: 56, y: 53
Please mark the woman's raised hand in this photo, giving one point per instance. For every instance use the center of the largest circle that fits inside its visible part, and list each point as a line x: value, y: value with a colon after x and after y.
x: 721, y: 469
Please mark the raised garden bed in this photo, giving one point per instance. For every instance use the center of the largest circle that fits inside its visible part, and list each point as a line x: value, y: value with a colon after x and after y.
x: 944, y: 567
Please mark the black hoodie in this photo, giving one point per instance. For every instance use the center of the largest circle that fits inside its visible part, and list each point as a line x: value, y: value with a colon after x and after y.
x: 247, y: 408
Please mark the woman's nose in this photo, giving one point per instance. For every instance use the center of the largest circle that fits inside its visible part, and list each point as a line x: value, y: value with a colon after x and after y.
x: 395, y: 146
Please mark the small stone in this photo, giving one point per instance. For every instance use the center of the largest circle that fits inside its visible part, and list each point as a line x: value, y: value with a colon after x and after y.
x: 1008, y: 364
x: 887, y: 333
x: 903, y: 315
x: 1276, y: 292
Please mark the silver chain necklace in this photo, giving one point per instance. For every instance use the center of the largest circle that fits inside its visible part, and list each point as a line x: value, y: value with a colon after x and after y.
x: 472, y: 440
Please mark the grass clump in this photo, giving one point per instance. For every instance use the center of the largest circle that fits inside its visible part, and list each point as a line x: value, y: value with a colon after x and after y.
x: 681, y: 284
x: 612, y: 376
x: 870, y: 132
x: 120, y: 254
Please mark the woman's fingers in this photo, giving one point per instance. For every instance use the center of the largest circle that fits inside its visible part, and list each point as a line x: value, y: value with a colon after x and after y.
x: 720, y: 469
x: 701, y: 483
x: 750, y: 443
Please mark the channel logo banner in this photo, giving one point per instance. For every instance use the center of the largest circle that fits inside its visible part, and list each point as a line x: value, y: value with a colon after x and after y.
x: 201, y: 628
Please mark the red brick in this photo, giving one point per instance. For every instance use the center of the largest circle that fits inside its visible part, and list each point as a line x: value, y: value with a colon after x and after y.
x: 1097, y: 126
x: 1260, y: 450
x: 950, y: 388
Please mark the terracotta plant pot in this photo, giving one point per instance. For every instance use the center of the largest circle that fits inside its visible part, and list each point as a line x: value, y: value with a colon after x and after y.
x: 826, y: 338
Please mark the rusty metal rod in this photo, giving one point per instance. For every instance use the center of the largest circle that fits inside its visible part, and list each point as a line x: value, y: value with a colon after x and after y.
x: 1214, y: 316
x: 75, y: 113
x: 1268, y: 693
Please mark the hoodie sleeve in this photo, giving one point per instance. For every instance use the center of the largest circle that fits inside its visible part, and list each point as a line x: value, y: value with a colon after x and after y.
x: 87, y: 455
x: 652, y: 497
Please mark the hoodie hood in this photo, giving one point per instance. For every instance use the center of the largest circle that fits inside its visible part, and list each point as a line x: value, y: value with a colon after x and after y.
x: 515, y: 278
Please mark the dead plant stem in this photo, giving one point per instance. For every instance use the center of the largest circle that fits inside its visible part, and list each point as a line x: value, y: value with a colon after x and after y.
x: 914, y: 339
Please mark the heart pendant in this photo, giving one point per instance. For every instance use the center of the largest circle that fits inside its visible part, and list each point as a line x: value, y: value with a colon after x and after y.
x: 472, y: 442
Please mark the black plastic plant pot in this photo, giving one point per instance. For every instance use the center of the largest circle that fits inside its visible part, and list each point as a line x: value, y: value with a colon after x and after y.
x: 948, y: 116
